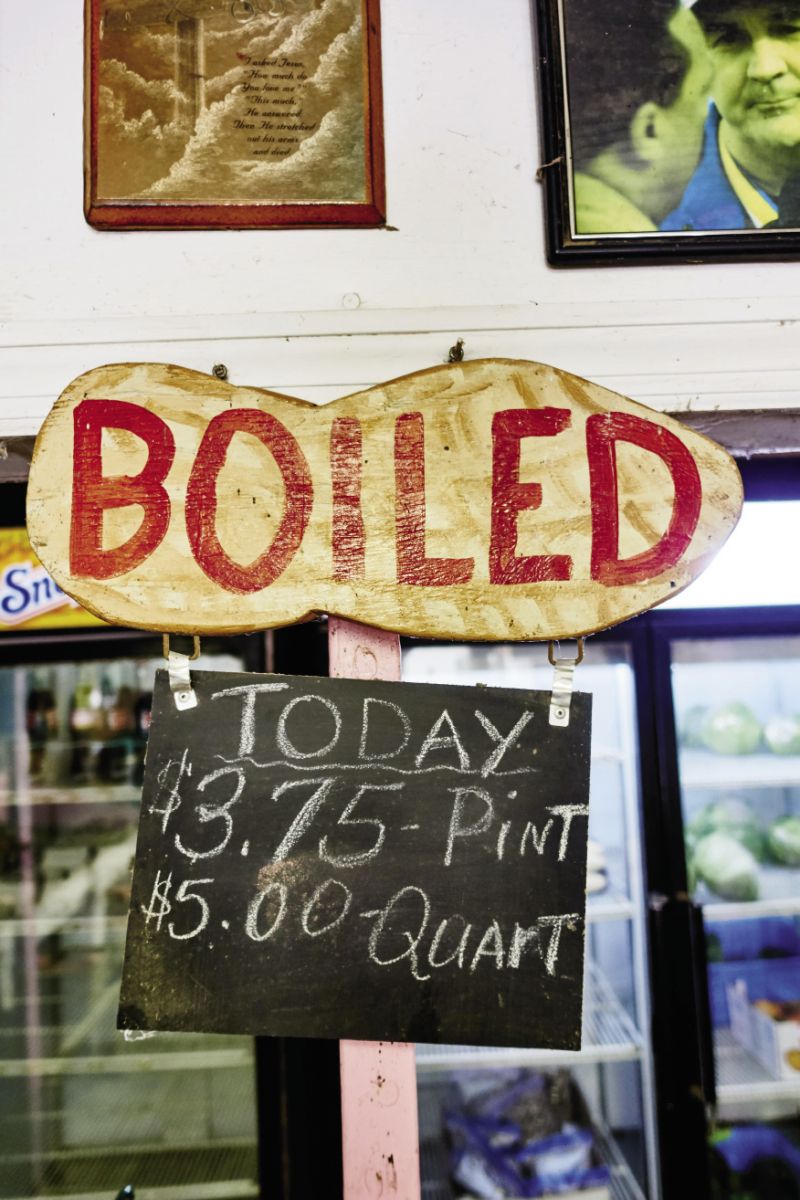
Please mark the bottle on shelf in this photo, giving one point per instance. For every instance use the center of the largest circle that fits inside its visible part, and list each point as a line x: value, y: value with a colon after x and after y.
x: 41, y: 719
x: 86, y: 723
x: 116, y: 757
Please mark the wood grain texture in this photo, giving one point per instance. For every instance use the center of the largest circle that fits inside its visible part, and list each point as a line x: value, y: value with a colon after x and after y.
x: 472, y: 510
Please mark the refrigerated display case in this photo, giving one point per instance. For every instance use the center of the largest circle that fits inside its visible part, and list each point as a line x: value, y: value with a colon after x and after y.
x: 84, y: 1110
x: 736, y: 696
x: 722, y: 662
x: 612, y: 1074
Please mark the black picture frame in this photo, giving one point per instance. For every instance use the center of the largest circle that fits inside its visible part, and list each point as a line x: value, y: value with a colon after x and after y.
x: 565, y: 247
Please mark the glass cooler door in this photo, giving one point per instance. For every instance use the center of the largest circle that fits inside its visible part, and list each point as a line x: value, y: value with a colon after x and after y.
x: 737, y: 712
x: 83, y: 1111
x: 588, y: 1117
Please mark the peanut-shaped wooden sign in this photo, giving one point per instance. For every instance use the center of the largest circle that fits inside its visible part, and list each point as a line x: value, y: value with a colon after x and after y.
x: 485, y: 500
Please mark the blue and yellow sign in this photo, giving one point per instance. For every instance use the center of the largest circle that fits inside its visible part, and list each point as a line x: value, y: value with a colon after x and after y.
x: 29, y: 597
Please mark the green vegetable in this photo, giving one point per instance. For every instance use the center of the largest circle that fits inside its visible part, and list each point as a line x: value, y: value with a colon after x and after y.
x: 784, y: 841
x: 727, y: 867
x: 713, y: 948
x: 782, y: 735
x: 691, y: 726
x: 732, y: 729
x: 752, y: 838
x: 732, y: 816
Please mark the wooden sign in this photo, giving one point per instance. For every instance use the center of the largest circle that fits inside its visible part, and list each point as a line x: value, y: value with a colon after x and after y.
x: 360, y: 859
x: 489, y: 500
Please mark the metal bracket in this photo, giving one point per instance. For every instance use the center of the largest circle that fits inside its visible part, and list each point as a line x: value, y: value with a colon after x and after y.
x: 180, y: 680
x: 561, y: 694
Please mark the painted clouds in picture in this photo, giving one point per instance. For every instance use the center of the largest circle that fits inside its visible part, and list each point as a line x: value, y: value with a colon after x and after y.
x: 225, y: 112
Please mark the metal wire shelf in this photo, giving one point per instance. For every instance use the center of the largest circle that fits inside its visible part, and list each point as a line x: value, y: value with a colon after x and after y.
x: 609, y: 1035
x: 740, y: 1077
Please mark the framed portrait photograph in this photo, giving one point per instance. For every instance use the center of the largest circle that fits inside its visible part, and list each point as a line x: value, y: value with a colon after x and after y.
x: 203, y: 114
x: 670, y: 130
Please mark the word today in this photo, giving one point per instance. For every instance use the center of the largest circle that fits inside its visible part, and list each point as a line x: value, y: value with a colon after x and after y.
x: 347, y: 841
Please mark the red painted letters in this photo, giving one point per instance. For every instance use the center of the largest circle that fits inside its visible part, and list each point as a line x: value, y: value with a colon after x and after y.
x: 201, y: 500
x: 93, y: 492
x: 413, y: 565
x: 603, y: 431
x: 510, y: 497
x: 347, y: 522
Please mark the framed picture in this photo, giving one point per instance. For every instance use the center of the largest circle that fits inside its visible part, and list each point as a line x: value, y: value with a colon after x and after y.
x: 666, y: 135
x: 204, y: 114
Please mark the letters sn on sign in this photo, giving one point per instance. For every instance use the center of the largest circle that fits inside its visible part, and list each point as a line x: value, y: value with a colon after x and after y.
x: 488, y: 500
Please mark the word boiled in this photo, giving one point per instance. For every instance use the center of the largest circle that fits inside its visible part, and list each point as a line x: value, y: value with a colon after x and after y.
x: 489, y: 500
x: 93, y: 492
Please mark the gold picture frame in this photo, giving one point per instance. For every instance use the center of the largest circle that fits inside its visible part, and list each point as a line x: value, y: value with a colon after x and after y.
x: 204, y: 114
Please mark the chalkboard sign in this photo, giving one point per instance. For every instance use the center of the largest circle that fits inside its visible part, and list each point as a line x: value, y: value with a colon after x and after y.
x: 360, y: 859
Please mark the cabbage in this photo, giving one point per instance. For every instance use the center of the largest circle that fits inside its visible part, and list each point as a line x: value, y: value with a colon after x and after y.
x: 731, y: 730
x: 782, y: 735
x: 727, y: 867
x: 691, y: 726
x: 732, y: 816
x: 784, y: 841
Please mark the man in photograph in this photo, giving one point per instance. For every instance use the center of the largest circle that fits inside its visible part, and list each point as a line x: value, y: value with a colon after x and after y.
x: 638, y: 79
x: 748, y: 175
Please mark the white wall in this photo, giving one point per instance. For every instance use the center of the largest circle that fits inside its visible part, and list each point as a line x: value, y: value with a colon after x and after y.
x: 324, y: 312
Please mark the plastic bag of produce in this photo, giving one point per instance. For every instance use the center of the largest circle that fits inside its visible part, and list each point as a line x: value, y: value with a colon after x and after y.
x: 732, y: 729
x: 782, y: 735
x: 485, y: 1169
x: 784, y: 841
x: 727, y: 867
x: 530, y: 1137
x: 561, y: 1161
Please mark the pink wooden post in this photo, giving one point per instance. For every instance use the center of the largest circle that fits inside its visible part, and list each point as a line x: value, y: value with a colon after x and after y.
x: 380, y: 1132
